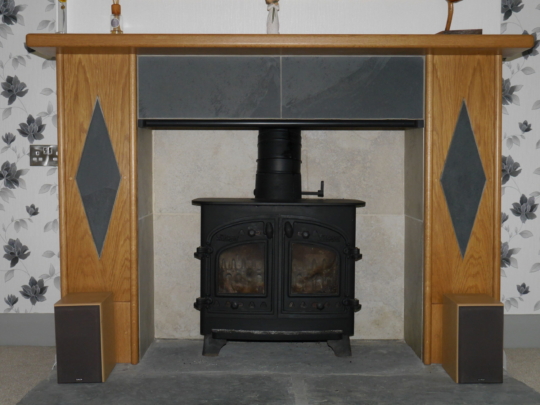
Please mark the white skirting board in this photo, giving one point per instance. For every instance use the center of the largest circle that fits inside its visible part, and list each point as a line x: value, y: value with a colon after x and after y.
x: 521, y: 331
x: 27, y: 330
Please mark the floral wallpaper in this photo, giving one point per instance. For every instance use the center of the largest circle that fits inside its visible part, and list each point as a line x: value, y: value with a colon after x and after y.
x: 520, y: 251
x: 30, y: 266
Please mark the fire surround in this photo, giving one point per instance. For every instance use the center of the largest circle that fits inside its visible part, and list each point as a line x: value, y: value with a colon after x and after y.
x: 458, y: 69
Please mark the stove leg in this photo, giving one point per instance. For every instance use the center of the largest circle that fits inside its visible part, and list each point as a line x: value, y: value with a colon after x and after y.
x: 212, y: 346
x: 342, y: 347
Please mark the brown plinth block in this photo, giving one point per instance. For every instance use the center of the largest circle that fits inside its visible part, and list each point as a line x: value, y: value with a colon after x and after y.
x: 85, y: 348
x: 473, y: 338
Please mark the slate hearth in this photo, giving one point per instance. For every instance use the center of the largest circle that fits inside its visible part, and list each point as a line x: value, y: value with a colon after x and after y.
x: 379, y: 372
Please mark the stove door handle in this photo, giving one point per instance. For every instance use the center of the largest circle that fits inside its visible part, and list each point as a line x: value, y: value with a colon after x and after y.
x: 288, y: 230
x: 269, y: 230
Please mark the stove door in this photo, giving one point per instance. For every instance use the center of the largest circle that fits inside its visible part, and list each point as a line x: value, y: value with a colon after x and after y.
x: 240, y: 276
x: 317, y: 274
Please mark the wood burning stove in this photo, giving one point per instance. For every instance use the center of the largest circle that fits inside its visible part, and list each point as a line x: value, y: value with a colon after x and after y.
x: 277, y: 267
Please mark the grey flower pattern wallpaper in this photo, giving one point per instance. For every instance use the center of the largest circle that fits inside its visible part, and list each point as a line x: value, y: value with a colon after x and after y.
x: 520, y: 248
x: 30, y: 265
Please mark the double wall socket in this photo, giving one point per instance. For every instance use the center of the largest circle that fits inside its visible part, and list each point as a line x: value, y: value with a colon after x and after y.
x: 43, y: 155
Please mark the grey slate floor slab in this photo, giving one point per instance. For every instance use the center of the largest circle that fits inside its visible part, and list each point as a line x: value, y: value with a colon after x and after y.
x: 379, y: 372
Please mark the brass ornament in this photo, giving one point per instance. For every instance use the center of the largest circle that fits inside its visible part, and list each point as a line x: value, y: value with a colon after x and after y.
x: 447, y: 29
x: 450, y: 13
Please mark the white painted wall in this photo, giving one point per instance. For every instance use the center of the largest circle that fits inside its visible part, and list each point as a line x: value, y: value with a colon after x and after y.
x: 296, y: 16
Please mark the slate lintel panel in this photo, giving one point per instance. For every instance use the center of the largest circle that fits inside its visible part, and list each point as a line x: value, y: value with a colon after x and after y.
x: 271, y: 87
x: 208, y: 87
x: 358, y: 87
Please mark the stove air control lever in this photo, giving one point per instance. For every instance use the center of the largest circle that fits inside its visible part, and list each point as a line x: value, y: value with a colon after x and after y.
x: 289, y: 230
x: 251, y: 233
x: 305, y: 234
x: 234, y: 305
x: 319, y: 193
x: 320, y: 306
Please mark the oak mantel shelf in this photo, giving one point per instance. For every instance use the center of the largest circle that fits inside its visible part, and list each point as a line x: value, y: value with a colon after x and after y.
x: 507, y: 45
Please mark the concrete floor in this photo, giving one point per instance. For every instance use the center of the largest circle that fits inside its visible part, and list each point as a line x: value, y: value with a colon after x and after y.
x: 379, y: 372
x: 524, y: 365
x: 21, y: 368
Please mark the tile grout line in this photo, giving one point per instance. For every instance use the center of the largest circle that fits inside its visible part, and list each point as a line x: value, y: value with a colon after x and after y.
x: 281, y: 87
x: 414, y: 218
x: 145, y: 216
x: 298, y: 388
x: 175, y: 214
x: 299, y: 375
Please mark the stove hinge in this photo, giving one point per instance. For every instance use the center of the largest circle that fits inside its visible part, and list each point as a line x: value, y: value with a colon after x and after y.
x: 203, y: 252
x: 352, y: 302
x: 353, y: 253
x: 202, y: 302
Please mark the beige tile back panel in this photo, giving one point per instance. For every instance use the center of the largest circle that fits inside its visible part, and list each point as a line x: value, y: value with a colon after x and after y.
x: 379, y: 277
x: 176, y: 276
x: 197, y: 164
x: 367, y: 165
x: 354, y: 164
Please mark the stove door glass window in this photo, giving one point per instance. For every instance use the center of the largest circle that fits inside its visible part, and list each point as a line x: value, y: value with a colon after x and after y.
x: 315, y: 270
x: 241, y: 269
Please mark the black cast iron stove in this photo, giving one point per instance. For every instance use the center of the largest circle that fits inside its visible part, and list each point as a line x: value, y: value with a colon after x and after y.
x: 279, y: 266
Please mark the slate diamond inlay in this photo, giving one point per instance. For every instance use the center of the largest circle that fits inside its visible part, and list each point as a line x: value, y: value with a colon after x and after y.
x: 98, y: 177
x: 463, y: 179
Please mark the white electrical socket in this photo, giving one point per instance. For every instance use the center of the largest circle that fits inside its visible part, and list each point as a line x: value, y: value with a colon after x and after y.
x: 43, y: 155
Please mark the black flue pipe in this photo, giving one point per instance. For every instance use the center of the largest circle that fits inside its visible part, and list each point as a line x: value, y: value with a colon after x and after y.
x: 278, y: 165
